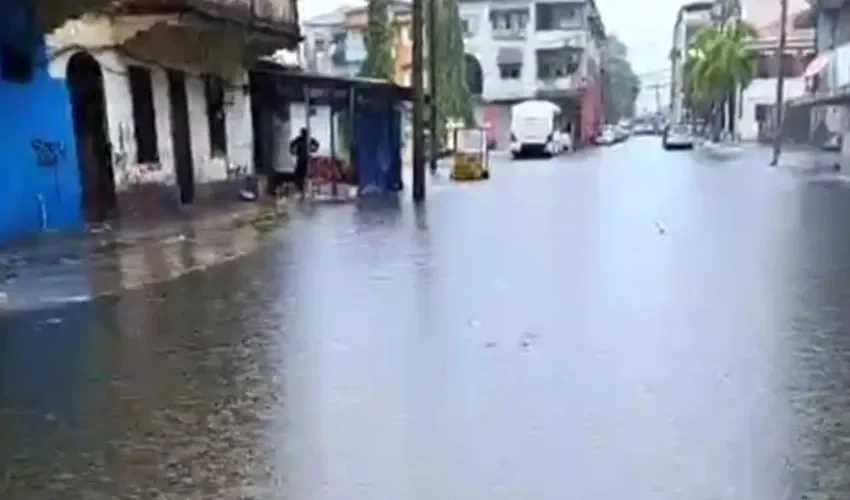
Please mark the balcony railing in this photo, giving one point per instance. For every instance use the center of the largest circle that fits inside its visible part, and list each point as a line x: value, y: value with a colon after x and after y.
x: 558, y: 83
x: 509, y: 34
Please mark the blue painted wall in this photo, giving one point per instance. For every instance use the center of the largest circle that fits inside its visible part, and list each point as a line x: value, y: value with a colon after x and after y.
x: 39, y: 179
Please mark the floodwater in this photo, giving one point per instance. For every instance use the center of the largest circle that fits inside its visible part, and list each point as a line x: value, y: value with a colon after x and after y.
x: 620, y: 323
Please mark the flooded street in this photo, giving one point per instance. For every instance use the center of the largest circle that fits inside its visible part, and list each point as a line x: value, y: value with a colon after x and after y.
x: 619, y: 323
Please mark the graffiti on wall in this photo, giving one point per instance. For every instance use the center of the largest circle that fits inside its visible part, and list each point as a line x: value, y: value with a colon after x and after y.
x: 47, y: 153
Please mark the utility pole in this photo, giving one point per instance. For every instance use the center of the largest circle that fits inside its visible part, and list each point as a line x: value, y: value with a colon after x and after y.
x: 418, y: 103
x: 657, y: 99
x: 780, y: 84
x: 432, y: 84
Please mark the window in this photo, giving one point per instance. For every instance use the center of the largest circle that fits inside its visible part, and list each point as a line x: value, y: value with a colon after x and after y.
x: 509, y: 22
x: 216, y: 115
x: 17, y: 64
x: 790, y: 68
x: 763, y: 66
x: 558, y: 16
x: 144, y: 124
x: 465, y: 26
x: 761, y: 112
x: 510, y: 71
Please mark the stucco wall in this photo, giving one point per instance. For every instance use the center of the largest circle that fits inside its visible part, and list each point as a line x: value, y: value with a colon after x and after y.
x: 37, y: 193
x: 763, y: 91
x: 39, y: 180
x: 129, y: 174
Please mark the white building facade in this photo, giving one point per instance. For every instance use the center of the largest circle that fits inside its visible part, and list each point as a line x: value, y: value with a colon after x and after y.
x: 527, y: 49
x: 690, y: 18
x: 757, y: 101
x: 162, y: 107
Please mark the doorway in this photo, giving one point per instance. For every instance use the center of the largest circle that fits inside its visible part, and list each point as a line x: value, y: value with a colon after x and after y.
x: 260, y: 88
x: 94, y: 153
x: 180, y: 137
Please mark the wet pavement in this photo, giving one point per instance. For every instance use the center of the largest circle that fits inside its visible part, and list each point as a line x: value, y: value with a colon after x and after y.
x: 620, y: 323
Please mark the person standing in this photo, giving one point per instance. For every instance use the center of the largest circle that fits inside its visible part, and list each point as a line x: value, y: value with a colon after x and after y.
x: 299, y: 149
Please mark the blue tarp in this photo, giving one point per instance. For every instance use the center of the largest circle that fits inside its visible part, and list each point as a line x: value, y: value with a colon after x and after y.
x: 377, y: 147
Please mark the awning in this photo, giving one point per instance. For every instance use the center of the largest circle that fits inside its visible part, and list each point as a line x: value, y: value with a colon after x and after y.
x: 817, y: 65
x: 509, y: 55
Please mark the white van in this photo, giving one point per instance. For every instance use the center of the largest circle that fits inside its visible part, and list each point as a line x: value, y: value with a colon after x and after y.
x: 538, y: 128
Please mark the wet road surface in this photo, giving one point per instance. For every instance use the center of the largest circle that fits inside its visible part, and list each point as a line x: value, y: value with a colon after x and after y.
x: 621, y: 323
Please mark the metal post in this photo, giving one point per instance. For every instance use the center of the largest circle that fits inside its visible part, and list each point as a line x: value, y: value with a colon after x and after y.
x: 418, y: 104
x: 432, y: 84
x: 780, y: 84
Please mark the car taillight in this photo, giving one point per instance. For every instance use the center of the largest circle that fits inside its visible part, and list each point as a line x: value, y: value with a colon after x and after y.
x: 513, y: 137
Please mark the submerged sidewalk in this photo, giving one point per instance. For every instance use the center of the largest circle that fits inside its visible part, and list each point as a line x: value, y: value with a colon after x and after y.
x: 60, y: 268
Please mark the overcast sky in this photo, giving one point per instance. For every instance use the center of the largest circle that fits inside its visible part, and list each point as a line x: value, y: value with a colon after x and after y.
x: 646, y: 26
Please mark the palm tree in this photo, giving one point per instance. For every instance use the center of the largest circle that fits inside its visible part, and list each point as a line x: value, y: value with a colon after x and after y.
x: 719, y: 62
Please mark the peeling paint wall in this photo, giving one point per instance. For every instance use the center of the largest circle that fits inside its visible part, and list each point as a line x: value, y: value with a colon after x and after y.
x: 209, y: 167
x: 39, y: 180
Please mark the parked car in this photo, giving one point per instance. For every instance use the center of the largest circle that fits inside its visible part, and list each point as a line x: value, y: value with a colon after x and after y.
x: 643, y: 128
x: 677, y: 136
x: 607, y: 136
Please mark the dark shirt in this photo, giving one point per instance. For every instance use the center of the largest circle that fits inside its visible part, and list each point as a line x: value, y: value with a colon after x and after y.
x: 298, y: 147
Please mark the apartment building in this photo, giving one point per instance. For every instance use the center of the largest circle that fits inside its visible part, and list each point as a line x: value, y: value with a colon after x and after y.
x: 528, y: 49
x: 334, y: 43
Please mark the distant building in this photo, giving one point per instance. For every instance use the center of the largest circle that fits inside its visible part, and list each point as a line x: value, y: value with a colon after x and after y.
x: 530, y: 49
x: 756, y: 118
x: 334, y: 43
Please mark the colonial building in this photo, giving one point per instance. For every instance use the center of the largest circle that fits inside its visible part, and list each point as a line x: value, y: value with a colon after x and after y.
x: 160, y: 99
x: 39, y: 186
x: 137, y: 106
x: 529, y: 49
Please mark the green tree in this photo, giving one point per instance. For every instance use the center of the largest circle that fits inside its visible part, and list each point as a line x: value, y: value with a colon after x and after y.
x: 718, y: 63
x: 378, y: 39
x: 621, y: 85
x: 453, y: 97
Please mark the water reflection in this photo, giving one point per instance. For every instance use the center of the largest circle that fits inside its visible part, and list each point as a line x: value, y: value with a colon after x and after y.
x: 161, y: 390
x: 469, y: 347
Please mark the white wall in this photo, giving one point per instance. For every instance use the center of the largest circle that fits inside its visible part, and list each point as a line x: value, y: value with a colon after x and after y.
x: 119, y: 111
x: 763, y: 91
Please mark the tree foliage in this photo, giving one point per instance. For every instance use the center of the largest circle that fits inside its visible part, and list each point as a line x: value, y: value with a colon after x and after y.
x: 622, y: 85
x: 378, y: 39
x: 719, y: 61
x: 453, y: 96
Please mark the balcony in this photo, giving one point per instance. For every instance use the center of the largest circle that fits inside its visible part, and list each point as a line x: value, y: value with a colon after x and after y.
x: 561, y: 86
x: 275, y: 19
x: 507, y: 34
x: 828, y: 78
x: 574, y: 39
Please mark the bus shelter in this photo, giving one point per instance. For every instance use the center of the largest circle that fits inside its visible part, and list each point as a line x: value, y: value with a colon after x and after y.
x: 369, y: 111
